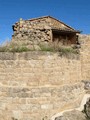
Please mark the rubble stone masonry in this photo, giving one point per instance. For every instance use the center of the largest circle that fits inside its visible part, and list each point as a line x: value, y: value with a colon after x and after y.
x: 36, y: 85
x: 32, y: 32
x: 36, y: 32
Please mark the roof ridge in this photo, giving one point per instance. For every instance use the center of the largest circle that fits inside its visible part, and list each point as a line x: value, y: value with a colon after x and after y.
x: 52, y: 18
x: 61, y: 22
x: 38, y: 18
x: 48, y: 16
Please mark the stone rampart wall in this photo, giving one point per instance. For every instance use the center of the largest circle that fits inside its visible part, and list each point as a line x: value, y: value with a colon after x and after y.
x: 85, y: 56
x: 37, y: 85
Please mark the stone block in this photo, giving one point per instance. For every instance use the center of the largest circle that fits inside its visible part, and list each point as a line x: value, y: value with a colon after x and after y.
x: 7, y: 56
x: 47, y: 106
x: 17, y: 115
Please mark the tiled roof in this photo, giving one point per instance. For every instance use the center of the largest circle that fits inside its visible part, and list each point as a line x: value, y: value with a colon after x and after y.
x: 65, y: 30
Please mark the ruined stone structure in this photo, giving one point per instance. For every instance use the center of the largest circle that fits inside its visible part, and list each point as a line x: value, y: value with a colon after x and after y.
x: 43, y: 30
x: 37, y: 85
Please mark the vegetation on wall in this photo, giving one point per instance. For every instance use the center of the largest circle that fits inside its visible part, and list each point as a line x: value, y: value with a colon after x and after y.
x: 13, y: 48
x: 63, y: 50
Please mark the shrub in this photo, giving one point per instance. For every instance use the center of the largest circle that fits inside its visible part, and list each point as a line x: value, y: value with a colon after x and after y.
x: 3, y: 48
x: 19, y: 49
x: 63, y: 50
x: 68, y: 50
x: 12, y: 48
x: 46, y: 48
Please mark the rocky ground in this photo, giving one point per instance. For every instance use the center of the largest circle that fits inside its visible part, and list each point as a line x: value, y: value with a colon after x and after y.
x: 77, y: 115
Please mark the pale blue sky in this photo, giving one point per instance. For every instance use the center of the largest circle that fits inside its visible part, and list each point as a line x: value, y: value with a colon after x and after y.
x: 75, y: 13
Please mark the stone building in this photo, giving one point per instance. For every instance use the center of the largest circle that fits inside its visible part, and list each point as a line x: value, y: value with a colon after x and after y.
x: 44, y: 30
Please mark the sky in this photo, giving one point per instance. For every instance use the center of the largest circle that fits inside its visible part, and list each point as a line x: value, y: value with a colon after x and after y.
x: 75, y: 13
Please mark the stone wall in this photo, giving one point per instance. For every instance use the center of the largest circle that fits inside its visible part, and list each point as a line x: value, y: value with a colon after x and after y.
x: 85, y: 61
x: 85, y: 56
x: 38, y: 31
x: 37, y: 85
x: 34, y: 85
x: 32, y: 32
